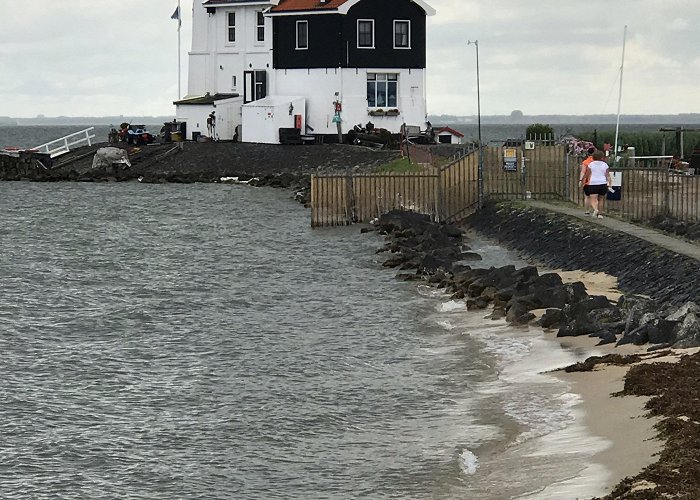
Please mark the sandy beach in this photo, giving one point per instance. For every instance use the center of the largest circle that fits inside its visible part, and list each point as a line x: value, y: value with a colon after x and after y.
x: 633, y: 441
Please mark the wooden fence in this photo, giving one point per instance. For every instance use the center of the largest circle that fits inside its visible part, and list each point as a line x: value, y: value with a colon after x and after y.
x: 452, y: 192
x: 539, y: 173
x: 647, y: 192
x: 445, y: 193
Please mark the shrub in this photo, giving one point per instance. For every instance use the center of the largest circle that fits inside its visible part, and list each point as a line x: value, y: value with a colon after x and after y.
x: 539, y: 131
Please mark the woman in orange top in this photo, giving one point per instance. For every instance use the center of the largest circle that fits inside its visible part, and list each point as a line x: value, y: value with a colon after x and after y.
x: 582, y: 180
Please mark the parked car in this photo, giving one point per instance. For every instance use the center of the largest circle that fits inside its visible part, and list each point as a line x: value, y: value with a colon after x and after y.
x: 136, y: 135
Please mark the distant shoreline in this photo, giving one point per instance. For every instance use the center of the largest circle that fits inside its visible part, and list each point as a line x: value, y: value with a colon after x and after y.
x: 512, y: 119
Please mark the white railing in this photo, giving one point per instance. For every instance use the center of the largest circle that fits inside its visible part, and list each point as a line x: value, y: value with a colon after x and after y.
x: 63, y: 145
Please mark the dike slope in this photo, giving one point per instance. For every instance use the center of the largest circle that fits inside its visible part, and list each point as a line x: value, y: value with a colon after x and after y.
x: 208, y: 162
x: 560, y: 241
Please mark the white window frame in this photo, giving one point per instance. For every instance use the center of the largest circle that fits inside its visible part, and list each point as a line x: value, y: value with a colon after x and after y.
x: 299, y: 23
x: 385, y: 81
x: 259, y: 28
x: 358, y: 33
x: 408, y: 23
x: 230, y: 27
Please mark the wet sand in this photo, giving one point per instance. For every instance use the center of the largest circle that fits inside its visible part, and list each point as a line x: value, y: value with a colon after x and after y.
x: 633, y: 442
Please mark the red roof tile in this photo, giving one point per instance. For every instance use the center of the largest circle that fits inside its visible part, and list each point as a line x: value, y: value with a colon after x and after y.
x: 306, y: 5
x: 450, y: 130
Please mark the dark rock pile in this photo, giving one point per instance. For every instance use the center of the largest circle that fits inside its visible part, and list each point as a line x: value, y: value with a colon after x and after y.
x: 684, y: 229
x: 439, y: 254
x: 559, y: 241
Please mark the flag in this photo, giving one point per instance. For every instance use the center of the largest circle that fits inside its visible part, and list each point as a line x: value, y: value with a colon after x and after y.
x: 176, y: 14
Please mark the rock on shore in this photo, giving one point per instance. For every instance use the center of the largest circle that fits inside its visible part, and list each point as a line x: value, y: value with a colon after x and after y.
x: 560, y: 241
x: 439, y: 255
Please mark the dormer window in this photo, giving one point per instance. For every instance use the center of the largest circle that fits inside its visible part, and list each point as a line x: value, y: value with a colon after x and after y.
x: 302, y: 35
x: 231, y: 26
x: 402, y: 34
x: 365, y: 33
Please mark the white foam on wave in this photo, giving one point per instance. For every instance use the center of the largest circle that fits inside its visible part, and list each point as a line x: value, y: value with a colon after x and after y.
x: 540, y: 413
x: 429, y: 291
x: 445, y: 324
x: 452, y: 306
x: 542, y: 405
x: 468, y: 462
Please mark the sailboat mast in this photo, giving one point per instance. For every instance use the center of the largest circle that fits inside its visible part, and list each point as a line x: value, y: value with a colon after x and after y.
x: 619, y: 97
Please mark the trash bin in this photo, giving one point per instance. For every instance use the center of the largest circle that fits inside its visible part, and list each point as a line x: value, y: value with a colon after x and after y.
x: 195, y: 136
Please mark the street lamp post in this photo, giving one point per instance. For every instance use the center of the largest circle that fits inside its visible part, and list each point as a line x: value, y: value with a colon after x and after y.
x: 480, y: 174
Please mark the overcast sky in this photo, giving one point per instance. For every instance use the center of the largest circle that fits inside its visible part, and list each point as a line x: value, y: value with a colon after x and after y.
x: 94, y: 58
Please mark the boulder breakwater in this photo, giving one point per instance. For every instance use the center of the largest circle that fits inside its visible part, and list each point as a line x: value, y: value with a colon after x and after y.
x: 439, y: 254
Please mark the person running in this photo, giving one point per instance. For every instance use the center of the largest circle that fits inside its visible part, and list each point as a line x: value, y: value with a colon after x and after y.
x: 581, y: 177
x: 597, y: 181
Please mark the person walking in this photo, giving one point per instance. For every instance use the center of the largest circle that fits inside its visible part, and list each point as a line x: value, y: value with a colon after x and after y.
x: 597, y: 181
x: 581, y: 178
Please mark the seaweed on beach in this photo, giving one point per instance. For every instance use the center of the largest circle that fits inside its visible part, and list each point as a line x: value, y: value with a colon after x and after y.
x: 674, y: 389
x: 590, y: 363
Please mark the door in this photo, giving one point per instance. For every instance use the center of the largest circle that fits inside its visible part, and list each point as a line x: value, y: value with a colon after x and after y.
x: 254, y: 85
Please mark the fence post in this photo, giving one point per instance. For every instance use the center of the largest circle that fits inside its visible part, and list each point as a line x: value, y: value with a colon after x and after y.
x: 349, y: 198
x: 523, y: 173
x: 567, y: 196
x: 667, y: 194
x: 480, y: 176
x: 439, y: 202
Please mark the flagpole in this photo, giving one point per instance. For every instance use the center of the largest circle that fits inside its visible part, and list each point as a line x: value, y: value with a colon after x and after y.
x: 179, y: 24
x: 619, y: 97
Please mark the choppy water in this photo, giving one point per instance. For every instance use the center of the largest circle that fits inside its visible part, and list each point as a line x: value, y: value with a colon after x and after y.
x: 201, y: 341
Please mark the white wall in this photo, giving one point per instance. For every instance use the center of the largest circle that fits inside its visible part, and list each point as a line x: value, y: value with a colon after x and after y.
x: 213, y: 61
x: 228, y: 116
x: 318, y: 86
x: 453, y: 138
x: 262, y: 119
x: 195, y: 116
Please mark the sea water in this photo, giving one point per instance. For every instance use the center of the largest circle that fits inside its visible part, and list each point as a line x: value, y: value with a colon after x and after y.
x: 202, y: 341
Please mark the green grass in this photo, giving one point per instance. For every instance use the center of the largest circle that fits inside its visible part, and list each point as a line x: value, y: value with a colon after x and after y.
x: 400, y: 165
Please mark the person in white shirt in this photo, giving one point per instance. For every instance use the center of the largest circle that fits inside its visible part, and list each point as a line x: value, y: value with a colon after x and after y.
x: 597, y: 181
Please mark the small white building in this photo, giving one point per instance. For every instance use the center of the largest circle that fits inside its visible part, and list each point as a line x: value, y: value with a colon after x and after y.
x: 262, y: 119
x: 447, y: 135
x: 195, y: 110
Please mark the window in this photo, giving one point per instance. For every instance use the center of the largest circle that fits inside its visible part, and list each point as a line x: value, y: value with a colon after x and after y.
x: 231, y: 26
x: 402, y: 34
x: 365, y: 33
x: 261, y: 26
x: 302, y: 35
x: 382, y: 90
x: 233, y: 82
